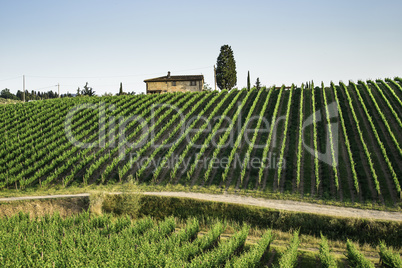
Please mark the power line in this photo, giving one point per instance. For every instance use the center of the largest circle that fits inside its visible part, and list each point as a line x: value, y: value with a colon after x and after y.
x: 11, y: 78
x: 97, y: 77
x: 46, y: 87
x: 117, y: 76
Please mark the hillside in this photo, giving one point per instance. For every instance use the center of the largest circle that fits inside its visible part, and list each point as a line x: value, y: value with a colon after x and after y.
x: 102, y: 140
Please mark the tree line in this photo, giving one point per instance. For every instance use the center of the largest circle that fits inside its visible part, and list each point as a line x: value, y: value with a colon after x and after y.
x: 31, y: 95
x: 37, y: 95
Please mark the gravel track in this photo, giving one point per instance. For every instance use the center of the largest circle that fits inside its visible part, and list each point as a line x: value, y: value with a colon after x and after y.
x: 286, y: 205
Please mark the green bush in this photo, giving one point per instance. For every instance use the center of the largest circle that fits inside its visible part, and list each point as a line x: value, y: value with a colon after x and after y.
x: 355, y: 258
x: 327, y: 260
x: 122, y: 204
x: 289, y: 258
x: 388, y: 258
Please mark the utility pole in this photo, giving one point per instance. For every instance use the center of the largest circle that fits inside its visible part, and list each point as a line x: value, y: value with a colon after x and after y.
x: 23, y: 87
x: 215, y: 76
x: 58, y: 89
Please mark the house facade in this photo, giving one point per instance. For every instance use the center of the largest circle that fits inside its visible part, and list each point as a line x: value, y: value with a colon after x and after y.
x: 174, y: 83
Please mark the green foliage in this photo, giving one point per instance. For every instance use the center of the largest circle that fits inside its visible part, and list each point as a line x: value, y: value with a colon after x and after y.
x: 207, y: 87
x: 347, y: 142
x: 226, y: 75
x: 178, y: 126
x: 37, y: 148
x: 258, y: 84
x: 289, y: 258
x: 122, y: 204
x: 388, y: 257
x: 223, y: 251
x: 81, y: 240
x: 186, y: 132
x: 253, y: 257
x: 105, y: 241
x: 253, y: 140
x: 268, y: 143
x: 327, y: 260
x: 158, y: 253
x: 87, y: 91
x: 33, y: 95
x: 300, y: 139
x: 356, y: 121
x: 199, y: 132
x: 285, y: 134
x: 144, y: 107
x: 355, y: 258
x: 385, y: 121
x: 315, y: 141
x: 207, y: 141
x: 238, y: 139
x: 6, y: 94
x: 331, y: 140
x: 333, y: 228
x: 190, y: 249
x: 226, y: 135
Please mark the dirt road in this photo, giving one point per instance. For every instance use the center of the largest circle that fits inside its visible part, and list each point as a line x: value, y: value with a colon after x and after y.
x: 260, y: 202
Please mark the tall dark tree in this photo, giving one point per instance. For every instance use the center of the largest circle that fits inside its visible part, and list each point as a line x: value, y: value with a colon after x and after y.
x: 87, y: 91
x: 121, y: 89
x: 258, y: 83
x: 226, y: 76
x: 19, y: 94
x: 248, y: 80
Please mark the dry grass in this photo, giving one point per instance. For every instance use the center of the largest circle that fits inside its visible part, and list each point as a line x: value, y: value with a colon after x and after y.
x: 8, y: 101
x: 65, y: 206
x: 96, y: 203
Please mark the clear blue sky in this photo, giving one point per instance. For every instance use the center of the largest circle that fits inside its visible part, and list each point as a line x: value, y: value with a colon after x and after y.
x: 281, y: 42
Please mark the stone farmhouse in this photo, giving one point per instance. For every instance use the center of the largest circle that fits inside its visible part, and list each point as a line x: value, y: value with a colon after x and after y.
x: 175, y: 83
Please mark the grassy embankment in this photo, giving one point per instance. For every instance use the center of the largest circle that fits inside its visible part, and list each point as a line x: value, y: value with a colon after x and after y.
x: 212, y: 189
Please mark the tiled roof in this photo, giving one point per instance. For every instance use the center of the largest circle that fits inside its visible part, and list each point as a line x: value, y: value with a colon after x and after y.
x: 176, y: 78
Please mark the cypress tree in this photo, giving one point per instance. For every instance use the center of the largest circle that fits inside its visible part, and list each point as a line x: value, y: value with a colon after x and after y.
x: 257, y: 83
x: 121, y: 89
x: 248, y: 80
x: 226, y: 76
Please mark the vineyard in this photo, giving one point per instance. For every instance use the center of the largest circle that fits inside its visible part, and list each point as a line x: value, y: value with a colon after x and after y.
x: 341, y: 142
x: 85, y: 240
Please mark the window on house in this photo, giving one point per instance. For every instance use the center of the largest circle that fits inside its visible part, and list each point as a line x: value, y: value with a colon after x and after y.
x: 193, y: 83
x: 173, y: 83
